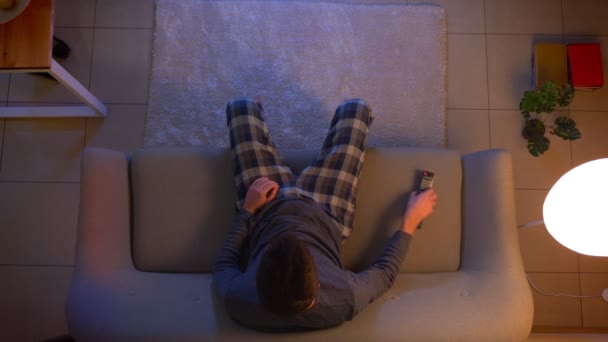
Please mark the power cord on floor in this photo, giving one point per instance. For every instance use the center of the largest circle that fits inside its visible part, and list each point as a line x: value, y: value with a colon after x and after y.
x: 531, y: 224
x: 561, y: 294
x: 604, y: 294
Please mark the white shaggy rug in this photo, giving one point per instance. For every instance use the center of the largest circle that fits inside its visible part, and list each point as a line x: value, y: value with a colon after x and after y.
x: 302, y: 59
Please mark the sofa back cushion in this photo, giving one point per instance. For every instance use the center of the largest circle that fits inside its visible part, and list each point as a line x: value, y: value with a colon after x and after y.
x: 183, y: 206
x: 387, y: 177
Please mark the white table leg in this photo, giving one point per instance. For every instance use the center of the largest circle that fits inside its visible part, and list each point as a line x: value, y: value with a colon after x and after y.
x: 49, y: 112
x: 94, y: 108
x: 78, y: 89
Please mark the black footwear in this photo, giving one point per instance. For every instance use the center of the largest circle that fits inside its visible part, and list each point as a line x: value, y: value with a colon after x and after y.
x: 60, y: 48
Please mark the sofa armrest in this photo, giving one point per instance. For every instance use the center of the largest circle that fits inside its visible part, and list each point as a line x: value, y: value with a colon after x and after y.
x: 490, y: 242
x: 104, y: 237
x: 489, y: 238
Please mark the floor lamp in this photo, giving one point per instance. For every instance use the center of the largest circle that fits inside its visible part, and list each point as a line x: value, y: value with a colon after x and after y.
x: 575, y: 211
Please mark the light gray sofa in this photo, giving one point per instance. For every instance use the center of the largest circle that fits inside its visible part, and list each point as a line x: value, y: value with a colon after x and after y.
x: 151, y: 224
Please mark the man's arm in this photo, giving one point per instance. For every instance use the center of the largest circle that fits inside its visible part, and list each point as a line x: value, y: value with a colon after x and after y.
x: 226, y: 266
x: 377, y: 279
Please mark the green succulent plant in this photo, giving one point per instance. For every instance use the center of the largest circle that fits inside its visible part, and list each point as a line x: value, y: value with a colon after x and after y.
x: 535, y: 107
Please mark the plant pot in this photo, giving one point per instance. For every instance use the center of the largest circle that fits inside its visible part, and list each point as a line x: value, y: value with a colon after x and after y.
x: 533, y: 128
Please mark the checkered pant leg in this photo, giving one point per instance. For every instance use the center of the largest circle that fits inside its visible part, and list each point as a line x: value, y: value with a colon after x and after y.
x: 253, y: 152
x: 333, y: 177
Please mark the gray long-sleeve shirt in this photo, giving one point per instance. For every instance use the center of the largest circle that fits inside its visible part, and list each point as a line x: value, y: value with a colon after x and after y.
x: 342, y: 293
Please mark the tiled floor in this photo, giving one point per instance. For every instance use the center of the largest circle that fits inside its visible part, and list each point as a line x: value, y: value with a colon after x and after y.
x: 489, y: 50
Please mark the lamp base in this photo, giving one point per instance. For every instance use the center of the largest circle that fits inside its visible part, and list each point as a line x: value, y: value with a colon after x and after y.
x: 605, y: 295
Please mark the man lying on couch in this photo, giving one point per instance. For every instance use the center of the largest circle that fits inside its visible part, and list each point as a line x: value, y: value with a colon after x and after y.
x: 280, y: 266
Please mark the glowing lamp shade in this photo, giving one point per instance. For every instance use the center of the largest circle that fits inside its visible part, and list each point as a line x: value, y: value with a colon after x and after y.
x: 576, y: 209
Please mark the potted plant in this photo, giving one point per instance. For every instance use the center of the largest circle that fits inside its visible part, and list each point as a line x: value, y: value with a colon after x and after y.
x: 536, y: 107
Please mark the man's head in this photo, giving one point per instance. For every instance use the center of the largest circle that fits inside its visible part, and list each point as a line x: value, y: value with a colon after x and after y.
x: 287, y: 281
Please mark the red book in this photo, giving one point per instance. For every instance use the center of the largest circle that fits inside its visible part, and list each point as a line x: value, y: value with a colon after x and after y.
x: 585, y: 62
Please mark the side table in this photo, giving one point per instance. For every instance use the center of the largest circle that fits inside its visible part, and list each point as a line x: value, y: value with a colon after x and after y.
x: 26, y: 46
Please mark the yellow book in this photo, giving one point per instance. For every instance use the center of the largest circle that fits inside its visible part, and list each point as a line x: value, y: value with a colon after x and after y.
x: 550, y: 63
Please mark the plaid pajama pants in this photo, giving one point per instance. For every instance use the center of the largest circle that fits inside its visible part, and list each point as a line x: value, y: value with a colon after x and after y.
x: 331, y: 179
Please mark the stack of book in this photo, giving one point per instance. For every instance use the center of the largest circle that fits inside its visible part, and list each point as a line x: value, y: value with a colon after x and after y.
x: 550, y: 64
x: 585, y: 62
x: 577, y: 64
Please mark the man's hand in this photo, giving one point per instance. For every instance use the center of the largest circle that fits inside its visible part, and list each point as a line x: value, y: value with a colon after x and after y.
x: 261, y: 191
x: 419, y: 206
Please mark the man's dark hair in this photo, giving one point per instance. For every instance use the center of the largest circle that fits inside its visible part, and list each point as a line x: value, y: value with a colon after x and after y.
x: 287, y: 277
